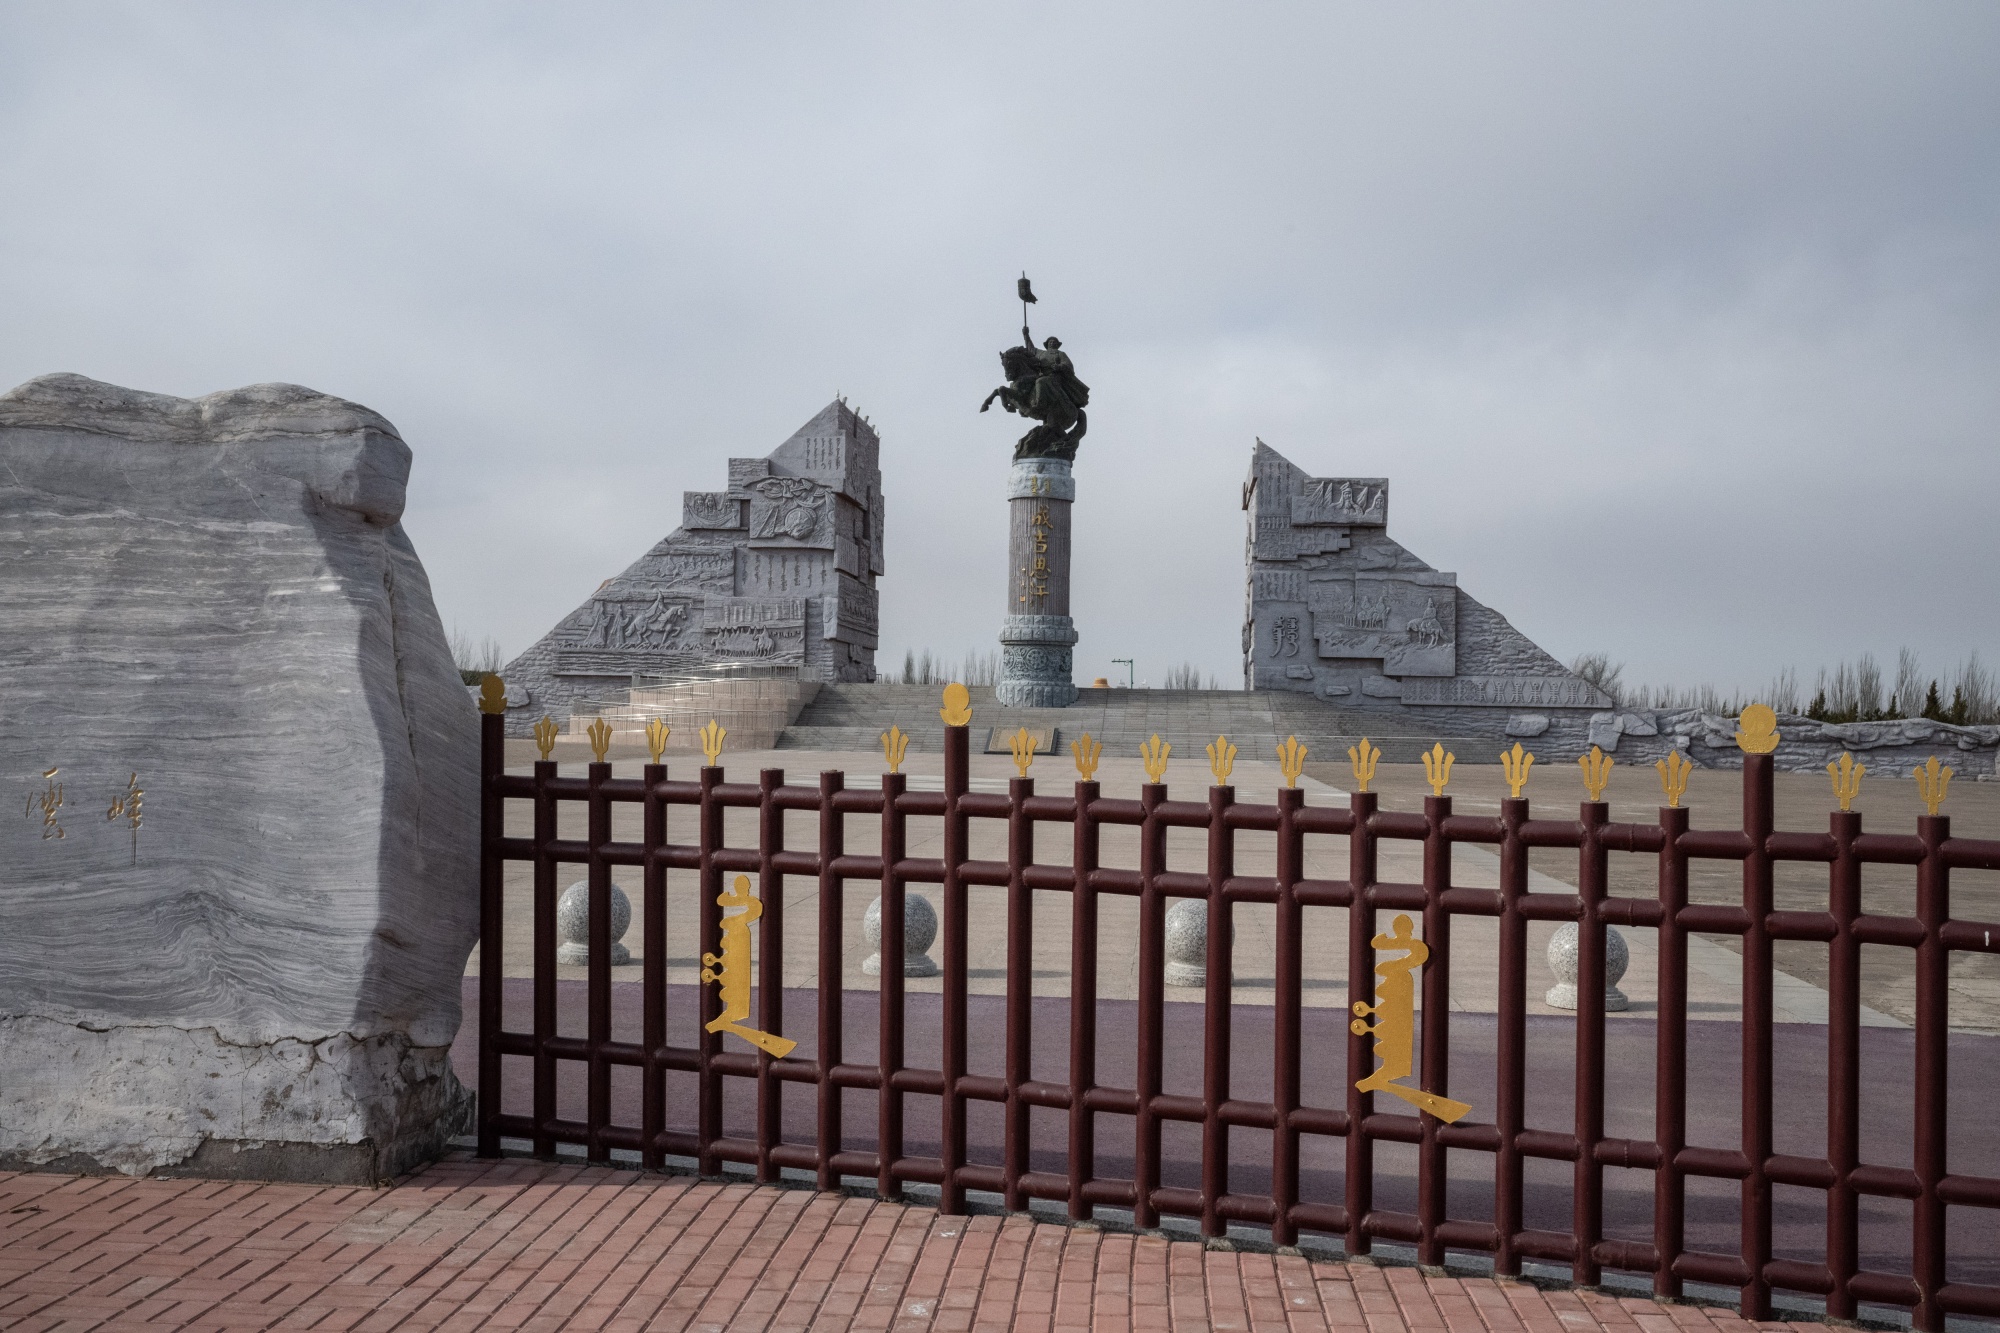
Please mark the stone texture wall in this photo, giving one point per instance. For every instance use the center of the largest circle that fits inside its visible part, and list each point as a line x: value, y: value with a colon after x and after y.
x: 778, y: 569
x: 211, y: 605
x: 1336, y: 609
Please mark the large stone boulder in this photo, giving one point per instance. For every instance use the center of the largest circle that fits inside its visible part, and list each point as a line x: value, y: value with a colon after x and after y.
x: 213, y: 602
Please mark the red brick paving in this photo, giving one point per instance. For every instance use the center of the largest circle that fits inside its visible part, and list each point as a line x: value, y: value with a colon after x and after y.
x: 522, y: 1245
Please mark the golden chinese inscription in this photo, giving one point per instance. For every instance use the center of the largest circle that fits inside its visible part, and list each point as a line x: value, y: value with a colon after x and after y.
x: 129, y: 805
x: 1395, y: 1029
x: 49, y: 802
x: 731, y: 970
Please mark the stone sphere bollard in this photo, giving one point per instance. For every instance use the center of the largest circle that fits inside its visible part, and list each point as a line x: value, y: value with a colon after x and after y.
x: 573, y: 925
x: 920, y: 927
x: 1562, y: 961
x: 1187, y: 942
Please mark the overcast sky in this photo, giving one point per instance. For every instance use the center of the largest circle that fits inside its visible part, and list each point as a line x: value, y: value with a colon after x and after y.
x: 1675, y: 328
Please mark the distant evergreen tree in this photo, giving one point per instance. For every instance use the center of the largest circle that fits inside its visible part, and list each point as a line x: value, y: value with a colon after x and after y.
x: 1816, y: 710
x: 1960, y: 713
x: 1933, y: 707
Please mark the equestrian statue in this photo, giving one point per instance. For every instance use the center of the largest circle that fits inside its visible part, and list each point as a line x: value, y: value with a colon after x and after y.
x: 1042, y: 385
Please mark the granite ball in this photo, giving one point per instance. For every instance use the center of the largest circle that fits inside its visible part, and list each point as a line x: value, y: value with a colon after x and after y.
x: 920, y: 928
x: 573, y: 925
x: 1563, y: 962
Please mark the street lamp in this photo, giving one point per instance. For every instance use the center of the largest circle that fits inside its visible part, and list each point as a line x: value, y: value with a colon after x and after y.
x: 1128, y: 669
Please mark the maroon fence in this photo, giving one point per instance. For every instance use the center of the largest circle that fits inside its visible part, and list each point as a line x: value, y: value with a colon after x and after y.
x: 1065, y: 831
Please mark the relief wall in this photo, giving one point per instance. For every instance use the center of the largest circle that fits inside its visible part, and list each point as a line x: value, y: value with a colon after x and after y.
x: 1335, y: 609
x: 777, y: 569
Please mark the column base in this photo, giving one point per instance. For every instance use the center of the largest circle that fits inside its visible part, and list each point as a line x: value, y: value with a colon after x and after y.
x: 1035, y: 666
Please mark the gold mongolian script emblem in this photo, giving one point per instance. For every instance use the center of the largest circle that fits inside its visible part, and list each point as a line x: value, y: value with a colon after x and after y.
x: 1395, y: 1030
x: 732, y: 969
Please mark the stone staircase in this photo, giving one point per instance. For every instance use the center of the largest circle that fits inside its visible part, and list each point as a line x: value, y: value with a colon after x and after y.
x: 853, y: 717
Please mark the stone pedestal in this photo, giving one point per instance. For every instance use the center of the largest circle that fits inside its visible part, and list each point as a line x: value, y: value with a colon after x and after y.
x: 1037, y: 634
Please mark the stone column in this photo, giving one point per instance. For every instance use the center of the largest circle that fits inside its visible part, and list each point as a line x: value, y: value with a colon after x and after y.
x: 1036, y: 636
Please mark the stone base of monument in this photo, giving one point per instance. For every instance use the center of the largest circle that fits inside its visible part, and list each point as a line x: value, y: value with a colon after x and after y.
x: 1035, y: 662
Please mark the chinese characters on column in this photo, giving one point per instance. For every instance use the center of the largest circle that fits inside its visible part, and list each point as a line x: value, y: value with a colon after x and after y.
x: 1035, y: 574
x: 46, y: 805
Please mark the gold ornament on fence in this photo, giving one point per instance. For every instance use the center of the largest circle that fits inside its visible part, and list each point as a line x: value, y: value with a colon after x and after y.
x: 1154, y: 755
x: 1221, y: 759
x: 957, y: 710
x: 1674, y: 770
x: 1514, y: 766
x: 711, y: 740
x: 1363, y: 758
x: 656, y: 738
x: 492, y: 694
x: 600, y: 738
x: 1846, y: 775
x: 1759, y: 734
x: 1437, y: 768
x: 895, y: 744
x: 1395, y: 1030
x: 1291, y: 760
x: 1087, y: 753
x: 1932, y: 781
x: 1023, y: 743
x: 1596, y: 768
x: 545, y: 737
x: 731, y: 969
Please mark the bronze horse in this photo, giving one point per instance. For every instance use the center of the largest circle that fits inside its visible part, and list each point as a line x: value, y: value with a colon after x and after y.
x: 1042, y: 386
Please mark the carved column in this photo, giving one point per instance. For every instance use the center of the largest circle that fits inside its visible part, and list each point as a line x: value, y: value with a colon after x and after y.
x: 1036, y: 636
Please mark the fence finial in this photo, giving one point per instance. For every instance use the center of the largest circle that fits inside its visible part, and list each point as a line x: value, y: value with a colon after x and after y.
x: 1363, y: 758
x: 1674, y: 770
x: 1596, y: 768
x: 1932, y: 780
x: 1847, y: 779
x: 957, y: 710
x: 1437, y: 768
x: 1023, y: 743
x: 1760, y: 730
x: 1221, y: 759
x: 1514, y: 766
x: 545, y: 736
x: 1087, y: 752
x: 1291, y: 760
x: 600, y: 738
x: 1154, y: 754
x: 895, y: 744
x: 711, y: 740
x: 492, y: 694
x: 657, y: 732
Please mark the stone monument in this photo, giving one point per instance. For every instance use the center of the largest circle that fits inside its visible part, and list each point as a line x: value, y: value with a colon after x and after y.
x: 1336, y: 609
x: 1037, y: 635
x: 238, y: 910
x: 777, y: 570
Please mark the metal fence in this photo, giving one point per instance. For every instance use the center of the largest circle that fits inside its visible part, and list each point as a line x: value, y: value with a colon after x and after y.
x: 1053, y: 845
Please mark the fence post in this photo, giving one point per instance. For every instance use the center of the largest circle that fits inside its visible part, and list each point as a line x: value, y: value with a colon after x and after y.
x: 951, y: 1106
x: 889, y: 1008
x: 1757, y: 1018
x: 545, y: 960
x: 832, y: 975
x: 1587, y: 1190
x: 1670, y: 1057
x: 653, y: 972
x: 1435, y: 1052
x: 492, y: 915
x: 1843, y: 1065
x: 708, y: 1045
x: 598, y: 972
x: 1932, y: 1106
x: 1020, y: 991
x: 770, y: 964
x: 1510, y: 1054
x: 1152, y: 1001
x: 1286, y: 1041
x: 1082, y: 1003
x: 1215, y: 1011
x: 1360, y: 1047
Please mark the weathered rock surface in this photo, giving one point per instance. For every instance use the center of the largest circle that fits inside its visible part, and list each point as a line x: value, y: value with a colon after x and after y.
x: 213, y: 601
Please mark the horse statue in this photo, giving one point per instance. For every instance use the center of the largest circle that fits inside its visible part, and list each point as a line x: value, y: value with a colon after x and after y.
x: 1042, y: 385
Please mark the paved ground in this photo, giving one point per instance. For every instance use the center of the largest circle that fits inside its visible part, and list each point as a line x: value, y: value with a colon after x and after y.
x: 474, y: 1245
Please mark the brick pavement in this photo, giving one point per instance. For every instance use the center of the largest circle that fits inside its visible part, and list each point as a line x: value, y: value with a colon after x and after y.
x: 467, y: 1244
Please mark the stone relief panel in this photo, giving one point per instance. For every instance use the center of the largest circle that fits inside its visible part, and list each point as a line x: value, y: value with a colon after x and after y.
x: 1407, y: 621
x: 1341, y: 501
x: 790, y: 507
x: 711, y: 509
